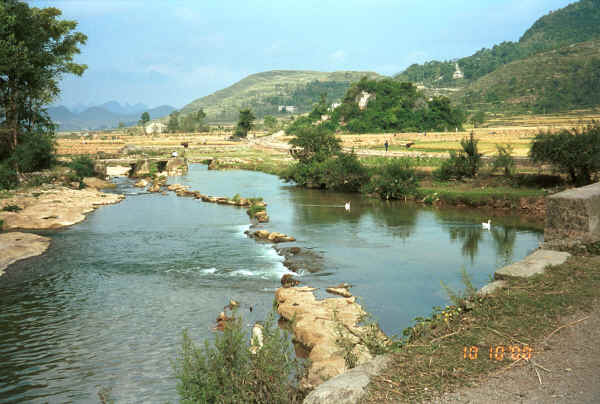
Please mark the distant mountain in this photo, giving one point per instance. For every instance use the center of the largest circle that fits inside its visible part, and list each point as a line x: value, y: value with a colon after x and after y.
x: 104, y: 116
x: 576, y: 23
x: 265, y: 92
x: 125, y: 109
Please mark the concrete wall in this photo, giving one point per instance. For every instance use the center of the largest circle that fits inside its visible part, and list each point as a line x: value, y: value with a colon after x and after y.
x: 573, y: 216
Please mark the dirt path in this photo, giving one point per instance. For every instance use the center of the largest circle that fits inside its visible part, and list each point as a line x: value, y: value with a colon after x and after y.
x: 569, y: 370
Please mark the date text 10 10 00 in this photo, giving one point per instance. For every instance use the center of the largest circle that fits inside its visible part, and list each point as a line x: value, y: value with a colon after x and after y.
x: 499, y: 352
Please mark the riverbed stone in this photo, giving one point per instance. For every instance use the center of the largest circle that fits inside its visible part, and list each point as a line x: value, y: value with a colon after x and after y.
x: 319, y: 324
x: 349, y: 387
x: 533, y: 264
x: 176, y: 166
x: 16, y: 246
x: 53, y: 207
x: 492, y: 287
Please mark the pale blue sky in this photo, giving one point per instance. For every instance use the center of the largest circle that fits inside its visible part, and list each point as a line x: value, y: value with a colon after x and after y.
x: 174, y: 51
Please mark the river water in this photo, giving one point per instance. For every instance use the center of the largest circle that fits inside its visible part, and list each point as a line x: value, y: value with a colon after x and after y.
x: 104, y: 308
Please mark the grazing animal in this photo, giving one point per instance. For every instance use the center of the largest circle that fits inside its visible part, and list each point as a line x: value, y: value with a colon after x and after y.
x: 347, y: 206
x: 487, y: 225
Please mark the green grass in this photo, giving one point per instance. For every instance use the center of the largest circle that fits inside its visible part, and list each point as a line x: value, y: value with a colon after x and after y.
x: 431, y: 360
x: 411, y: 161
x: 448, y: 193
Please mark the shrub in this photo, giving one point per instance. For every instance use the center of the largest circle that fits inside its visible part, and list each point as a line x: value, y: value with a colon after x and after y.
x: 576, y: 152
x: 394, y: 179
x: 343, y: 173
x: 504, y: 160
x: 11, y: 208
x: 8, y: 176
x: 83, y: 166
x: 226, y: 372
x: 1, y: 224
x: 461, y: 164
x: 34, y: 152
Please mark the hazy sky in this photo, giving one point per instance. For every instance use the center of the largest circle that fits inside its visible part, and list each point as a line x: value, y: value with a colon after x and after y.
x: 174, y: 51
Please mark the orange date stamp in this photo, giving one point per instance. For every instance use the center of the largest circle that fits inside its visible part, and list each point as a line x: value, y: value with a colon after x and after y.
x: 498, y: 352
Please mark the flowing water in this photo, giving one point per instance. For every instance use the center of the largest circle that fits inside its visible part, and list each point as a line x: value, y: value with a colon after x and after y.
x: 104, y: 308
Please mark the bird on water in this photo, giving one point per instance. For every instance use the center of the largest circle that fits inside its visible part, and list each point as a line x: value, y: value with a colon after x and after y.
x: 487, y: 225
x: 347, y: 206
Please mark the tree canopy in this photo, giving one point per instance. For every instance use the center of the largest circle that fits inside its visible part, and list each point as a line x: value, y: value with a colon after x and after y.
x: 245, y: 122
x: 36, y: 50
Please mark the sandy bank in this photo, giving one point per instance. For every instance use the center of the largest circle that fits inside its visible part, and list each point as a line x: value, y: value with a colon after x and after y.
x: 47, y: 207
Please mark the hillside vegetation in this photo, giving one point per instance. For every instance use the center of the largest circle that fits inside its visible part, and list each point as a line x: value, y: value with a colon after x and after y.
x: 264, y: 92
x: 385, y: 105
x: 556, y: 80
x: 578, y: 22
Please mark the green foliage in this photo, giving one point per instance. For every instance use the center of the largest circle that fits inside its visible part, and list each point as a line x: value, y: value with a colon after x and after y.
x: 36, y: 49
x: 226, y: 372
x: 460, y: 299
x: 144, y: 118
x: 12, y: 208
x: 1, y: 224
x: 478, y: 118
x: 245, y: 122
x: 173, y: 122
x: 395, y: 179
x: 34, y: 152
x: 265, y: 92
x: 253, y: 209
x: 8, y: 176
x: 270, y: 123
x: 461, y: 164
x: 314, y: 143
x: 395, y: 106
x: 575, y: 152
x: 504, y: 160
x: 82, y: 166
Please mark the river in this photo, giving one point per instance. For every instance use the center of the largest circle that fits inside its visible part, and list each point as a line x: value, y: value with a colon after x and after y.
x: 105, y: 306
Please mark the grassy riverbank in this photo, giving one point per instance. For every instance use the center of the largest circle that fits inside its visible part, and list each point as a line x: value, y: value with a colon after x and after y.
x: 451, y: 349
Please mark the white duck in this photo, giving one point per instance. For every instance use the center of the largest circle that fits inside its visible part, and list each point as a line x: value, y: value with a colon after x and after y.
x: 347, y: 206
x: 488, y: 225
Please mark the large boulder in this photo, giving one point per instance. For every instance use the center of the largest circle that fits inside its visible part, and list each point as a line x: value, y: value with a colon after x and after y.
x: 319, y: 324
x: 176, y: 166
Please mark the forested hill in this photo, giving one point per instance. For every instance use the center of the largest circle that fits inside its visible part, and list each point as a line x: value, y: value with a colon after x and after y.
x: 578, y: 22
x: 265, y: 92
x: 559, y: 79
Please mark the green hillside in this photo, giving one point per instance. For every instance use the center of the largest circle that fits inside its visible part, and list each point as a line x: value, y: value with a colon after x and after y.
x: 264, y: 92
x: 578, y: 22
x: 560, y: 79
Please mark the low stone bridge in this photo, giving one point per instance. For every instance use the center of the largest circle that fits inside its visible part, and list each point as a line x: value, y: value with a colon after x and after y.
x: 139, y: 167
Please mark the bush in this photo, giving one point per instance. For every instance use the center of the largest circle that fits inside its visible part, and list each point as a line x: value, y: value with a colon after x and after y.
x: 576, y: 152
x: 34, y: 152
x: 343, y: 173
x: 461, y: 164
x: 83, y: 166
x: 394, y: 179
x: 226, y: 372
x: 504, y: 160
x: 8, y: 176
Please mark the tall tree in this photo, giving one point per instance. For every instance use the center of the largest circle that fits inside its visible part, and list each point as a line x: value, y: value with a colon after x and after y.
x: 173, y: 123
x: 245, y: 123
x: 145, y: 118
x: 36, y: 50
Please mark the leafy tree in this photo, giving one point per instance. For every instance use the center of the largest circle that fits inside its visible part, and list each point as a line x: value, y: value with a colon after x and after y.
x: 315, y: 143
x: 245, y: 123
x: 270, y: 123
x: 173, y: 122
x: 504, y: 160
x: 478, y: 118
x: 200, y: 115
x: 575, y: 152
x: 144, y: 119
x: 36, y: 50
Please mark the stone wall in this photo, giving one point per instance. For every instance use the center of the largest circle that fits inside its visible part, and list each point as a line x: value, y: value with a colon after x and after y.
x: 573, y: 217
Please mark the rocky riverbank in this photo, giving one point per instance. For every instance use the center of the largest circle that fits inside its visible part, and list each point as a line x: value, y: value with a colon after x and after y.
x: 49, y: 206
